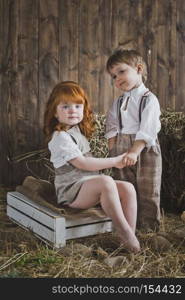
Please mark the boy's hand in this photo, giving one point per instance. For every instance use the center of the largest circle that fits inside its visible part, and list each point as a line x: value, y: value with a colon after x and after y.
x: 129, y: 159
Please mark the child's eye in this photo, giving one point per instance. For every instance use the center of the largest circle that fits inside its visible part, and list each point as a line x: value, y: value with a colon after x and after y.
x: 122, y: 71
x: 64, y: 106
x: 113, y: 77
x: 79, y: 106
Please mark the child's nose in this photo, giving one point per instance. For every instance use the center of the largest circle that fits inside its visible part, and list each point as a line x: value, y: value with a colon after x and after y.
x: 118, y: 77
x: 72, y: 108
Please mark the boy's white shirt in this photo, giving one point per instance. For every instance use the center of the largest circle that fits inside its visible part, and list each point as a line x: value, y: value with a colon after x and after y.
x: 150, y: 124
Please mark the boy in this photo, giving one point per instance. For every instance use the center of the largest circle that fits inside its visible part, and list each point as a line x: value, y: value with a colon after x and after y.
x: 132, y: 126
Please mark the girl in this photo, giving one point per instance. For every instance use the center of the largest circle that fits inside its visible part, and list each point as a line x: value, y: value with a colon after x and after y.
x: 68, y: 124
x: 132, y: 126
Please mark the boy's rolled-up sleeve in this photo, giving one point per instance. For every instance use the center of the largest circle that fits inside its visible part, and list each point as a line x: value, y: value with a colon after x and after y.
x: 150, y: 122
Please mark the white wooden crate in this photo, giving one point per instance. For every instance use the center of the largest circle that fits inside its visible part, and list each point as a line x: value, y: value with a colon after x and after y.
x: 49, y: 225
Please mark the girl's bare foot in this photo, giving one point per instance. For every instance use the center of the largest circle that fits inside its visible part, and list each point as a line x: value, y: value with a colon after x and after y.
x: 130, y: 242
x: 134, y: 248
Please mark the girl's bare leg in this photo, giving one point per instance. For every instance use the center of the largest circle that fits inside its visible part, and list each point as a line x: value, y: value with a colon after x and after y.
x: 128, y: 198
x: 103, y: 190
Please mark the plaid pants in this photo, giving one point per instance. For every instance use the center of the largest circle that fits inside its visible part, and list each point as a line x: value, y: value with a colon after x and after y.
x: 145, y: 175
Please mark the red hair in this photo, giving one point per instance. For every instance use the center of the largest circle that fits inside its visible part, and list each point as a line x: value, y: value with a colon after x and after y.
x: 64, y: 92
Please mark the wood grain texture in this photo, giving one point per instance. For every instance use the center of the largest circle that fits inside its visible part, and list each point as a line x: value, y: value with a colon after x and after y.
x: 180, y: 57
x: 48, y: 53
x: 89, y: 46
x: 26, y: 109
x: 46, y: 41
x: 69, y: 40
x: 9, y: 85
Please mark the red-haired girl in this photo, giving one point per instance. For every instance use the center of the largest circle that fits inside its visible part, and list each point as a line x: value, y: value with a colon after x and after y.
x: 68, y: 125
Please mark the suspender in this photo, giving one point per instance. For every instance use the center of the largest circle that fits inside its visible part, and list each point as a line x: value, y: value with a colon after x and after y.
x: 73, y: 138
x: 143, y: 103
x: 120, y: 102
x: 141, y: 106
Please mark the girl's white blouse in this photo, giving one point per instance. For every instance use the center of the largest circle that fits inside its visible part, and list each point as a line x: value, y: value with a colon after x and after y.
x: 63, y: 148
x: 150, y: 124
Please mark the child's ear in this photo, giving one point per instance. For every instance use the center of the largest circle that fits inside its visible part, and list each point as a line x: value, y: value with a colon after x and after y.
x: 140, y: 68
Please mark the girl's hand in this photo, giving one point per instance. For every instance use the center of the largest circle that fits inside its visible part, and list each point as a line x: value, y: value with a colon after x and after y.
x: 119, y: 161
x: 129, y: 159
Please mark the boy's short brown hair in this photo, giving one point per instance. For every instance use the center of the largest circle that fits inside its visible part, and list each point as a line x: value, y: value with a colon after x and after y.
x: 129, y: 57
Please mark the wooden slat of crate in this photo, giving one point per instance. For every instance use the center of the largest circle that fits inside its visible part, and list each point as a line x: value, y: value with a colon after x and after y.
x: 30, y: 208
x: 43, y: 231
x: 89, y: 229
x: 40, y: 220
x: 49, y: 225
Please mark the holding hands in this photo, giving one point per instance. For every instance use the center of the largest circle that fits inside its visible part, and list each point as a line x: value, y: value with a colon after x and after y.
x: 129, y: 159
x: 125, y: 160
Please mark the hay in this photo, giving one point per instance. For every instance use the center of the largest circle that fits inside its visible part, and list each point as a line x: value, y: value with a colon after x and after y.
x: 24, y: 255
x: 172, y: 140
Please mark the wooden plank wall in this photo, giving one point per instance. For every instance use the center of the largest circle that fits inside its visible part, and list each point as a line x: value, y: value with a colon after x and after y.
x: 45, y: 41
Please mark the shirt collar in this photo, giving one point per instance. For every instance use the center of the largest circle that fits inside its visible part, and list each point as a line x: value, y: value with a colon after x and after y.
x: 74, y: 128
x: 137, y: 92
